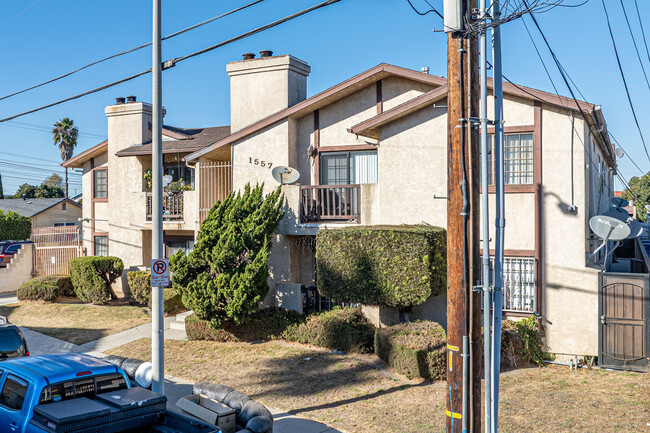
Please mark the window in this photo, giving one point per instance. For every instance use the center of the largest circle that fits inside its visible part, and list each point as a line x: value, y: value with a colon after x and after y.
x: 346, y: 168
x: 66, y: 224
x: 100, y: 184
x: 186, y: 174
x: 101, y: 246
x: 519, y: 284
x: 518, y: 159
x: 13, y: 393
x: 84, y: 387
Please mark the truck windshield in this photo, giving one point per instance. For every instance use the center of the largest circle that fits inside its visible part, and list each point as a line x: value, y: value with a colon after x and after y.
x: 82, y: 387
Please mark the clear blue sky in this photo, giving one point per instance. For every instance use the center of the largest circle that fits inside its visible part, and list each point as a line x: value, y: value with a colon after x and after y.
x: 339, y: 41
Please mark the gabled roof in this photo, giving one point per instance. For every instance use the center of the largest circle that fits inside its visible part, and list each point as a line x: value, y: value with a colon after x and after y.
x: 185, y: 140
x: 78, y: 160
x: 370, y: 76
x: 324, y: 98
x: 31, y: 207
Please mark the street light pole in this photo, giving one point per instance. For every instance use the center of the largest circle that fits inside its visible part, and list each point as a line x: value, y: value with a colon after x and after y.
x: 157, y: 332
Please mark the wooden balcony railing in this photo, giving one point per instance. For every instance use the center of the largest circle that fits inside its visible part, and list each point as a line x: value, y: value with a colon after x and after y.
x: 172, y: 207
x: 330, y: 202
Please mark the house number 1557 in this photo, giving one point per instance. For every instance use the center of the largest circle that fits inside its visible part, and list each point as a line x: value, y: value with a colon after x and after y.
x: 256, y: 161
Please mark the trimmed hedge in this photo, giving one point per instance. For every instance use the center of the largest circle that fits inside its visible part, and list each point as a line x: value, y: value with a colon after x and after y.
x: 392, y: 266
x: 93, y: 276
x: 140, y: 286
x: 415, y: 349
x: 46, y: 288
x: 267, y: 324
x: 344, y: 329
x: 172, y: 301
x: 14, y: 227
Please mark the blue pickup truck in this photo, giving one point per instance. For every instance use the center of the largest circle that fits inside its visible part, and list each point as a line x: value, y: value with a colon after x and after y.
x: 74, y: 392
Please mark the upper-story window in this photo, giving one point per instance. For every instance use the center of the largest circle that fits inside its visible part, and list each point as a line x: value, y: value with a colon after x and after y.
x: 518, y: 159
x: 100, y: 184
x: 347, y: 168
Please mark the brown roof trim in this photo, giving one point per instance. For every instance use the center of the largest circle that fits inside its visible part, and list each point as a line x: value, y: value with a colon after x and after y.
x: 129, y: 151
x: 370, y: 127
x: 541, y: 96
x: 174, y: 134
x: 323, y: 98
x: 77, y: 161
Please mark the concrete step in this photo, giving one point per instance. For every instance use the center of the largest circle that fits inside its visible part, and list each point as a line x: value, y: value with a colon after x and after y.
x: 177, y: 325
x: 182, y: 316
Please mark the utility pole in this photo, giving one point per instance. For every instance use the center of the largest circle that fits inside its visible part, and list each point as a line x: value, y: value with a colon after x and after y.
x: 463, y: 304
x: 157, y: 330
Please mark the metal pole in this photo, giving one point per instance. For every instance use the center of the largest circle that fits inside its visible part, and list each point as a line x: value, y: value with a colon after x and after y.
x: 500, y: 215
x: 157, y: 332
x: 485, y: 219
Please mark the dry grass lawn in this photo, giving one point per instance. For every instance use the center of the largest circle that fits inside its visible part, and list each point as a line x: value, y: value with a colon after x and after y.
x: 74, y: 321
x: 356, y: 393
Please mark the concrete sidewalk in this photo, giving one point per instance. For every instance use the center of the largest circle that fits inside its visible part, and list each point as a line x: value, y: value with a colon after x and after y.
x: 8, y: 298
x: 175, y: 387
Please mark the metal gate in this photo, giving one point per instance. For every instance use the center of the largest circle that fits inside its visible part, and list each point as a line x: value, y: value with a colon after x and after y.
x: 624, y: 311
x: 53, y: 249
x: 213, y: 184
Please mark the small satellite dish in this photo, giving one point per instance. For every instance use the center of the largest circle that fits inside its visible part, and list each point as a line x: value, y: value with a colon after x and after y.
x: 285, y: 175
x: 623, y: 216
x: 166, y: 180
x: 609, y: 228
x: 619, y: 153
x: 618, y: 202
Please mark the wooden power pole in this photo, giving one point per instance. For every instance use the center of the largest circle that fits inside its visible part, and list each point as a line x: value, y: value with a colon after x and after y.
x: 463, y: 269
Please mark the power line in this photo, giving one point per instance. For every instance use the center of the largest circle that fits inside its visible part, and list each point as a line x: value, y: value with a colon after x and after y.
x: 645, y: 41
x: 170, y: 63
x: 139, y: 47
x: 627, y: 91
x: 424, y: 13
x: 636, y: 48
x: 631, y: 159
x: 22, y: 12
x: 43, y: 128
x: 29, y: 157
x: 30, y: 165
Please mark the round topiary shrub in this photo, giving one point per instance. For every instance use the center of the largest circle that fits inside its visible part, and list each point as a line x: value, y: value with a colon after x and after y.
x: 46, y: 288
x: 93, y: 276
x: 414, y: 349
x: 344, y: 329
x: 140, y: 286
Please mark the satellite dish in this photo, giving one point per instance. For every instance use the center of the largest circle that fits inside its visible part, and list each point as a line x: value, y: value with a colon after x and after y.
x: 285, y: 175
x: 623, y: 216
x: 609, y: 228
x: 619, y: 202
x: 166, y: 180
x: 619, y: 153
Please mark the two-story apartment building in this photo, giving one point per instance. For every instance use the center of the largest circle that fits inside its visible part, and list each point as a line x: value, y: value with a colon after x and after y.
x: 371, y: 150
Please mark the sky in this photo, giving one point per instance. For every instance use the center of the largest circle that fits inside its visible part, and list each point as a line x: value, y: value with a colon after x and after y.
x: 42, y: 39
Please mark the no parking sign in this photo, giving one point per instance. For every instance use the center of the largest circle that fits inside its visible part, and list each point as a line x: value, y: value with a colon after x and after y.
x: 160, y: 273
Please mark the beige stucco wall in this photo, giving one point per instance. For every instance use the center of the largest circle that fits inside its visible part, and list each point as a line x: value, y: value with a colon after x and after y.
x: 396, y: 91
x: 18, y: 271
x: 57, y: 214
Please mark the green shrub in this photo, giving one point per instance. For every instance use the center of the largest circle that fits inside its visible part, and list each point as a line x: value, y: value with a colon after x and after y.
x: 140, y: 286
x: 341, y: 328
x: 45, y: 288
x: 266, y: 324
x: 172, y: 301
x: 14, y: 226
x: 392, y: 266
x: 225, y: 276
x: 93, y: 276
x: 415, y: 349
x: 531, y: 336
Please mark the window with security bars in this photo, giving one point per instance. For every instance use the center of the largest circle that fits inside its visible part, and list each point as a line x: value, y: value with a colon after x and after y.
x: 518, y: 159
x: 519, y: 284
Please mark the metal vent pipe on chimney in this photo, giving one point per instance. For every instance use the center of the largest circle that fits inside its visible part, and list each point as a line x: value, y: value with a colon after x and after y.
x: 425, y: 69
x: 266, y: 53
x: 248, y: 56
x: 120, y: 100
x: 130, y: 99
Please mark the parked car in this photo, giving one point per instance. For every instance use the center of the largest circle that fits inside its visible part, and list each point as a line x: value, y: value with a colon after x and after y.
x: 8, y: 249
x: 12, y: 341
x: 75, y: 392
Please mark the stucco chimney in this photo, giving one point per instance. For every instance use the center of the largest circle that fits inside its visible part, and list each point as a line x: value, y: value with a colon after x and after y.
x: 263, y: 86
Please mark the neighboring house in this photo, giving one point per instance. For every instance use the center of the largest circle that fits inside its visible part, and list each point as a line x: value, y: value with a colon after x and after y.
x: 45, y: 212
x: 370, y: 150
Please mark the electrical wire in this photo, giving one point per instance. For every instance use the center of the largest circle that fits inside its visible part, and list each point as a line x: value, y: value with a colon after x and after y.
x: 170, y: 63
x: 424, y: 13
x: 22, y: 12
x: 627, y: 91
x: 645, y: 41
x: 631, y: 159
x: 139, y: 47
x: 636, y: 48
x: 48, y: 129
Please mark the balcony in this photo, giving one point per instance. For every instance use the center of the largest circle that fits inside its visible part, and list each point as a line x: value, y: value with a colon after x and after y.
x: 172, y: 207
x: 330, y: 203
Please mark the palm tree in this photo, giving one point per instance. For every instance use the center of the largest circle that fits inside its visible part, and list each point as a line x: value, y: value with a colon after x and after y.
x: 65, y: 136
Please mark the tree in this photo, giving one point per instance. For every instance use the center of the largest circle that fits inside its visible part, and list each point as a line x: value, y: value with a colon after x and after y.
x: 53, y: 181
x: 65, y: 135
x: 225, y: 276
x: 41, y: 191
x: 639, y: 192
